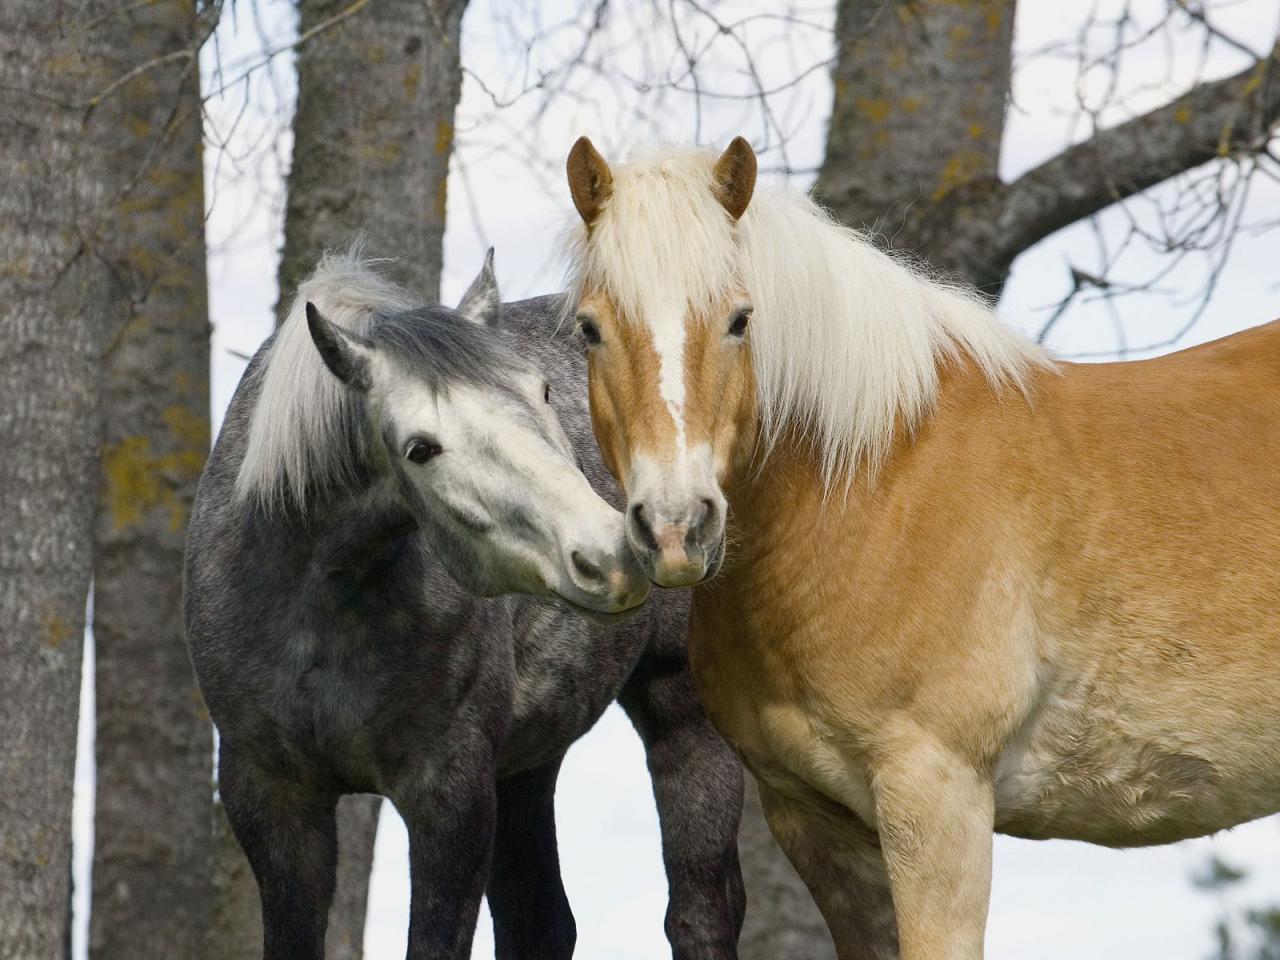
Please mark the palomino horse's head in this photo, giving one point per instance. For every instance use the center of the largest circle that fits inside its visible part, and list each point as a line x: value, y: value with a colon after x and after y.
x: 669, y: 358
x: 466, y: 429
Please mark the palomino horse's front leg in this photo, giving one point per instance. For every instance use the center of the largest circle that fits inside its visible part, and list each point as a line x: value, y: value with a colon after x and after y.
x: 450, y: 811
x: 697, y: 783
x: 838, y: 860
x: 935, y: 815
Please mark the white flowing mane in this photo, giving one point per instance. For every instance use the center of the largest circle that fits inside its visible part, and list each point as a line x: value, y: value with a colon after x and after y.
x: 846, y: 339
x: 301, y: 426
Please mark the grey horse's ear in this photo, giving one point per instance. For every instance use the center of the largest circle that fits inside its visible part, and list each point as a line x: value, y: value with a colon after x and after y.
x: 480, y: 303
x: 348, y: 356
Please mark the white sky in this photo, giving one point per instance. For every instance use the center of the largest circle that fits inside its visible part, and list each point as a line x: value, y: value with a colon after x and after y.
x: 1054, y: 900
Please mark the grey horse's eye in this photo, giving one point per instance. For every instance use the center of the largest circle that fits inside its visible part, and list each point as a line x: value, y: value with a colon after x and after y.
x: 546, y: 393
x: 420, y: 450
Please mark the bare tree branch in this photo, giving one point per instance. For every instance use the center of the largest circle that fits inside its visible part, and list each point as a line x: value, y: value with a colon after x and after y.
x: 1235, y: 115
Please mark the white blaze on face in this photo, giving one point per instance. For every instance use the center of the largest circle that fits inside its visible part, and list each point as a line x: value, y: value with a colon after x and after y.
x: 667, y: 330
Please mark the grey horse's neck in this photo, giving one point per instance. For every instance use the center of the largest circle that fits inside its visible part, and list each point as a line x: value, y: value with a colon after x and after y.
x: 353, y: 531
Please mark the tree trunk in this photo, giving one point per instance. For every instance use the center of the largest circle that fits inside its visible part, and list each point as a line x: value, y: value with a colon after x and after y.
x: 372, y: 137
x: 56, y: 301
x: 918, y: 114
x: 154, y: 740
x: 377, y: 91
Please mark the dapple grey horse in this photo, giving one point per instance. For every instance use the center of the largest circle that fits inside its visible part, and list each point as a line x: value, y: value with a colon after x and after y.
x: 382, y: 465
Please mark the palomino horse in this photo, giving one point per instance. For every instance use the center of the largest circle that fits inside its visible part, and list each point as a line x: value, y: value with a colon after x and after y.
x: 341, y: 511
x: 967, y: 588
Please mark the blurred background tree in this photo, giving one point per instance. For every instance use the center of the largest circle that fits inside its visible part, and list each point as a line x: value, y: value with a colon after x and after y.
x: 1242, y: 932
x: 153, y: 743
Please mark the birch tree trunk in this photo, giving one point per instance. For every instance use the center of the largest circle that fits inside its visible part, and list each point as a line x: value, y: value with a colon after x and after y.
x: 377, y: 91
x: 154, y: 742
x: 56, y: 302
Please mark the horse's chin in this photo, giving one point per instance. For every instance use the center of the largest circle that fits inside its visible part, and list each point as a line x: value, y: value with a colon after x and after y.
x: 600, y: 618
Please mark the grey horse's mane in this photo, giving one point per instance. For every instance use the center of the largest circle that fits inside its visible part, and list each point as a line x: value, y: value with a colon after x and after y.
x: 305, y: 430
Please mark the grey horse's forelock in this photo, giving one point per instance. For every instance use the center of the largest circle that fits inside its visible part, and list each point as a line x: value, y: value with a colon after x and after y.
x: 305, y: 430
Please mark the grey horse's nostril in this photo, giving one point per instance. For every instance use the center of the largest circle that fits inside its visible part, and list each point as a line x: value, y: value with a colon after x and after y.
x: 587, y: 569
x: 640, y: 523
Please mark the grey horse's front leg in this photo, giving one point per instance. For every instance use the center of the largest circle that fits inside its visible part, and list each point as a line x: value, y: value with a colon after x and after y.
x: 449, y: 811
x: 531, y: 914
x: 697, y: 782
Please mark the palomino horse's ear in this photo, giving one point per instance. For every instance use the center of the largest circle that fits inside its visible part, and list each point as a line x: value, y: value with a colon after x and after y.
x: 480, y: 303
x: 349, y: 357
x: 735, y: 175
x: 590, y: 181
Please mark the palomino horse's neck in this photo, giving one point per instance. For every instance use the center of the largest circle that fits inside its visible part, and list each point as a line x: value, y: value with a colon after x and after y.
x: 781, y: 507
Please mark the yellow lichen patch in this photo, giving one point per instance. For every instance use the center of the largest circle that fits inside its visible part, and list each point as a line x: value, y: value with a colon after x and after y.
x: 1182, y: 115
x: 442, y: 197
x: 139, y: 481
x: 189, y: 428
x: 995, y: 19
x: 959, y: 34
x: 975, y: 131
x: 877, y: 111
x: 386, y: 152
x: 412, y: 76
x: 962, y: 166
x: 138, y: 126
x: 444, y: 136
x: 56, y: 630
x: 911, y: 104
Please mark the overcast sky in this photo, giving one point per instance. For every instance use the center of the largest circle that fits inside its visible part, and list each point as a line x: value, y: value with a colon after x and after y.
x: 1053, y: 900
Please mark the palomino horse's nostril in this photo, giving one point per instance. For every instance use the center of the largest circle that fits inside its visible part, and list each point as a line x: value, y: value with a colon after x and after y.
x: 586, y: 569
x: 700, y: 522
x: 640, y: 524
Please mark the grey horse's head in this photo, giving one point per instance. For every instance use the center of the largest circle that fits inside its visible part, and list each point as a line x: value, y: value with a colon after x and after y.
x: 461, y: 427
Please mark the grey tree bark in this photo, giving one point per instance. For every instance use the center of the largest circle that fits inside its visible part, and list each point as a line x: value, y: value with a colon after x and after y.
x: 917, y: 123
x: 57, y: 299
x: 918, y: 112
x: 154, y: 741
x: 378, y: 85
x: 373, y: 135
x: 913, y: 151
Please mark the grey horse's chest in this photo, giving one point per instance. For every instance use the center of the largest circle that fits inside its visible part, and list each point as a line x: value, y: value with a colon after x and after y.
x: 566, y: 673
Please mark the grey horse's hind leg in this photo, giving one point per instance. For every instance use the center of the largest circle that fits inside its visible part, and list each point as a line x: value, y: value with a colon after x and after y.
x: 291, y: 843
x: 531, y: 914
x: 697, y: 783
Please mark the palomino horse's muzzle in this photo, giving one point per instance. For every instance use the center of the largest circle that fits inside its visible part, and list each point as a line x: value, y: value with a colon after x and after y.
x: 680, y: 550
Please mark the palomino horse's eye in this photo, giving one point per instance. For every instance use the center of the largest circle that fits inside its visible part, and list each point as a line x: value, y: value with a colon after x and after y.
x: 419, y: 450
x: 738, y: 325
x: 590, y: 332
